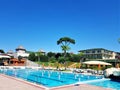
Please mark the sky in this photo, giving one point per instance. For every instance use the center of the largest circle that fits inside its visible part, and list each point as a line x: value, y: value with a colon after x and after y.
x: 38, y: 24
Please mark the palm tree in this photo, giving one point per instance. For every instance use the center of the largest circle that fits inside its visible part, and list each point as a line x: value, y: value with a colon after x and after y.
x: 65, y: 42
x: 39, y: 54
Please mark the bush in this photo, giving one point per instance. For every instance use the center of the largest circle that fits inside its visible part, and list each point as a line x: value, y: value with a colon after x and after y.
x: 32, y: 57
x: 52, y: 60
x: 61, y: 60
x: 43, y: 58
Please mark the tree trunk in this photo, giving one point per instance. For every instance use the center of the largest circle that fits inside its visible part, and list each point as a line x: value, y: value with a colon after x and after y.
x: 65, y: 59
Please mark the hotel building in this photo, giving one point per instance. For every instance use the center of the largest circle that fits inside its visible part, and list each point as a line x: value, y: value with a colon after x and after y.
x: 98, y: 53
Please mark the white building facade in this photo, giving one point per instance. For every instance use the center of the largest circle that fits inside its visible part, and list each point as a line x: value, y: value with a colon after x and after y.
x: 99, y: 53
x: 20, y: 51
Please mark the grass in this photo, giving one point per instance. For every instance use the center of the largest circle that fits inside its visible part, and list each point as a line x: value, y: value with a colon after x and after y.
x: 69, y: 65
x: 59, y: 65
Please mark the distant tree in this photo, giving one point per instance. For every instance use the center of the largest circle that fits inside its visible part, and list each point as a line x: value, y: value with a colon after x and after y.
x: 75, y: 58
x: 58, y: 55
x: 81, y: 56
x: 51, y: 54
x: 2, y: 51
x: 32, y: 57
x: 52, y: 60
x: 39, y: 56
x: 43, y: 58
x: 68, y: 55
x: 61, y: 60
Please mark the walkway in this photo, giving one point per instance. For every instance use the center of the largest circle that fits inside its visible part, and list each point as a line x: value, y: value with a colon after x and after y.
x: 81, y: 87
x: 8, y: 83
x: 11, y: 83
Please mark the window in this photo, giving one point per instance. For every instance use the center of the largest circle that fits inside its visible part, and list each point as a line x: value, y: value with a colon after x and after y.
x: 87, y: 52
x: 93, y: 51
x: 98, y: 51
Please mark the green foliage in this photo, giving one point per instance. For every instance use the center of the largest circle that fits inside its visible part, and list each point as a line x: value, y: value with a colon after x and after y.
x: 94, y: 67
x: 83, y: 66
x: 2, y: 51
x: 38, y: 54
x: 19, y: 58
x: 58, y: 55
x: 68, y: 55
x: 32, y: 57
x: 43, y: 58
x: 43, y: 63
x: 65, y: 48
x: 52, y: 60
x: 50, y: 54
x: 75, y: 58
x: 65, y: 41
x: 61, y: 60
x: 78, y: 65
x: 81, y: 54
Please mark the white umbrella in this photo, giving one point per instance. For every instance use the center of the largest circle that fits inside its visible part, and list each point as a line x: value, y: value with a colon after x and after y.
x: 96, y: 63
x: 4, y: 56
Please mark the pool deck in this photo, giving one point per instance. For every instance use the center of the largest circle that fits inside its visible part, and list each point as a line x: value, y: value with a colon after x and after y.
x: 11, y: 83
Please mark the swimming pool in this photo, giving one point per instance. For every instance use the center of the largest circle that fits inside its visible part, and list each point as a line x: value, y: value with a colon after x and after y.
x: 107, y: 84
x: 49, y: 78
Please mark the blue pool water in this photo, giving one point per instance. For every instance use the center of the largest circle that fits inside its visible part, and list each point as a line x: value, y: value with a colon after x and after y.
x: 50, y: 78
x: 107, y: 84
x: 56, y: 78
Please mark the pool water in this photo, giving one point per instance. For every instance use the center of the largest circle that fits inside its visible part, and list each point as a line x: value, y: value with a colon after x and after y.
x: 56, y: 78
x: 107, y: 84
x: 50, y: 78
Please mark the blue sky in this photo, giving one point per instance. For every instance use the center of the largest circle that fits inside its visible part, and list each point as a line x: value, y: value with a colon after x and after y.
x: 38, y: 24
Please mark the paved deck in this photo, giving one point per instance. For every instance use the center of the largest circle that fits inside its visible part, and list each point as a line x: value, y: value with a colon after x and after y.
x: 11, y: 83
x: 81, y: 87
x: 8, y: 83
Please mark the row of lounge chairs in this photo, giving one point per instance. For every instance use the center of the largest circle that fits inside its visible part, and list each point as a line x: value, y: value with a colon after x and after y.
x: 89, y: 71
x: 20, y: 67
x: 84, y: 71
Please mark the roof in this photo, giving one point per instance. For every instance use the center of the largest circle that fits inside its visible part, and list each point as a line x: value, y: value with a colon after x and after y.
x: 20, y: 48
x: 4, y: 56
x: 94, y: 49
x: 10, y: 52
x: 41, y: 50
x: 96, y: 63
